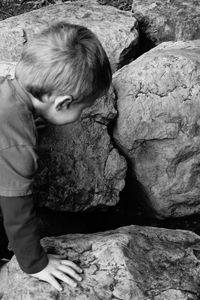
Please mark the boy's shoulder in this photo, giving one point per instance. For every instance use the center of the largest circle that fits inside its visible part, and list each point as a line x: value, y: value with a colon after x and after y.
x: 2, y: 79
x: 16, y: 119
x: 5, y: 80
x: 5, y: 90
x: 4, y: 83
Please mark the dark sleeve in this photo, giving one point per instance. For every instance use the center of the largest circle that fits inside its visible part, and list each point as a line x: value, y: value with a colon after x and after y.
x: 21, y: 225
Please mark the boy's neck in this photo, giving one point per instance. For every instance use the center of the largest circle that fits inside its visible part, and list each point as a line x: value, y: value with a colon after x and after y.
x: 33, y: 102
x: 26, y: 97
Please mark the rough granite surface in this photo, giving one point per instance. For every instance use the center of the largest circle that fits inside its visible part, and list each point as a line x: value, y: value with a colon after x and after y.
x: 130, y: 263
x: 79, y: 167
x: 117, y: 30
x: 169, y: 20
x: 158, y: 125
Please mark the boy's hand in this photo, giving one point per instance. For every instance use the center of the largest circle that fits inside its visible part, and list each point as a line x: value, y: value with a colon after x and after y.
x: 58, y: 268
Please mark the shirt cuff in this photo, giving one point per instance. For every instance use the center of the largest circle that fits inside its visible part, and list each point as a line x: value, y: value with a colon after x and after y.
x: 37, y: 266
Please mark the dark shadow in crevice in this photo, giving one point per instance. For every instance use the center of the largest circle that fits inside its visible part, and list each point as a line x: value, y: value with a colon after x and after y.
x: 139, y: 46
x: 129, y: 54
x: 146, y: 42
x: 134, y: 196
x: 134, y: 206
x: 4, y: 252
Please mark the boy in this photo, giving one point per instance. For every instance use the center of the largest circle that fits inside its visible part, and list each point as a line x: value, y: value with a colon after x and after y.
x: 61, y: 72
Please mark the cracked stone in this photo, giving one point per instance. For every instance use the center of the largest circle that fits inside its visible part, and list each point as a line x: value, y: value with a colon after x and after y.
x: 157, y: 128
x: 168, y: 20
x: 117, y: 30
x: 80, y: 169
x: 129, y: 263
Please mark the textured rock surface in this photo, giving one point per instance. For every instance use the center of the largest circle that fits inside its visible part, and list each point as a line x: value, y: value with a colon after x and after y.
x: 168, y: 20
x: 130, y: 263
x: 158, y: 125
x: 115, y: 29
x: 79, y: 168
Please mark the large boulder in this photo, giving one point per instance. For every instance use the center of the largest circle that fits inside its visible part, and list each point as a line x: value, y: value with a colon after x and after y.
x: 158, y: 125
x: 130, y: 263
x: 115, y: 29
x: 159, y: 21
x: 168, y: 20
x: 79, y: 168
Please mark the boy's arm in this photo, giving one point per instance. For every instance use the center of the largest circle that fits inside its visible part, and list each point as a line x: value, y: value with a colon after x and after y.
x: 17, y: 167
x: 21, y: 225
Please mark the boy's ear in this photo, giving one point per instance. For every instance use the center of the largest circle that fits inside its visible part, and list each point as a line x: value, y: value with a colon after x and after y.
x: 63, y: 102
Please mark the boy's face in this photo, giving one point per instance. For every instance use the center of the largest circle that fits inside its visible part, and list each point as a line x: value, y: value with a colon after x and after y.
x: 64, y: 110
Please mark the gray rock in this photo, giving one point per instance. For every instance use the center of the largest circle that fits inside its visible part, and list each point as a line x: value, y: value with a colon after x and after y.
x: 168, y: 20
x: 79, y: 167
x: 115, y: 29
x: 158, y: 125
x: 130, y: 263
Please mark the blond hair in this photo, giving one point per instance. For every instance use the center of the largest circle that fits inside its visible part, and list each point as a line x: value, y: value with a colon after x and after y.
x: 64, y: 59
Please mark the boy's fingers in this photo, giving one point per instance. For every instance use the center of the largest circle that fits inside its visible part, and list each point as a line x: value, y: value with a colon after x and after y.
x: 68, y: 270
x: 54, y: 283
x: 66, y: 262
x: 64, y: 278
x: 71, y: 264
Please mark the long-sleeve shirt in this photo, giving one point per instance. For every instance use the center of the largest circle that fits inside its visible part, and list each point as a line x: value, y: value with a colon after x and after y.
x: 21, y: 225
x: 18, y: 164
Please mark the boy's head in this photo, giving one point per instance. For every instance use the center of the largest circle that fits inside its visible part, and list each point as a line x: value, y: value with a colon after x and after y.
x: 63, y: 67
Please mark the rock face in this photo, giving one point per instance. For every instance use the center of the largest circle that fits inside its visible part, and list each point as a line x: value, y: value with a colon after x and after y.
x: 79, y: 168
x: 130, y: 263
x: 115, y: 29
x: 158, y: 125
x: 168, y: 20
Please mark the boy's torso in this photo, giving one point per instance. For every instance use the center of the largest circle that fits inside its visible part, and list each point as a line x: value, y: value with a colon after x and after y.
x: 16, y: 118
x: 18, y: 158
